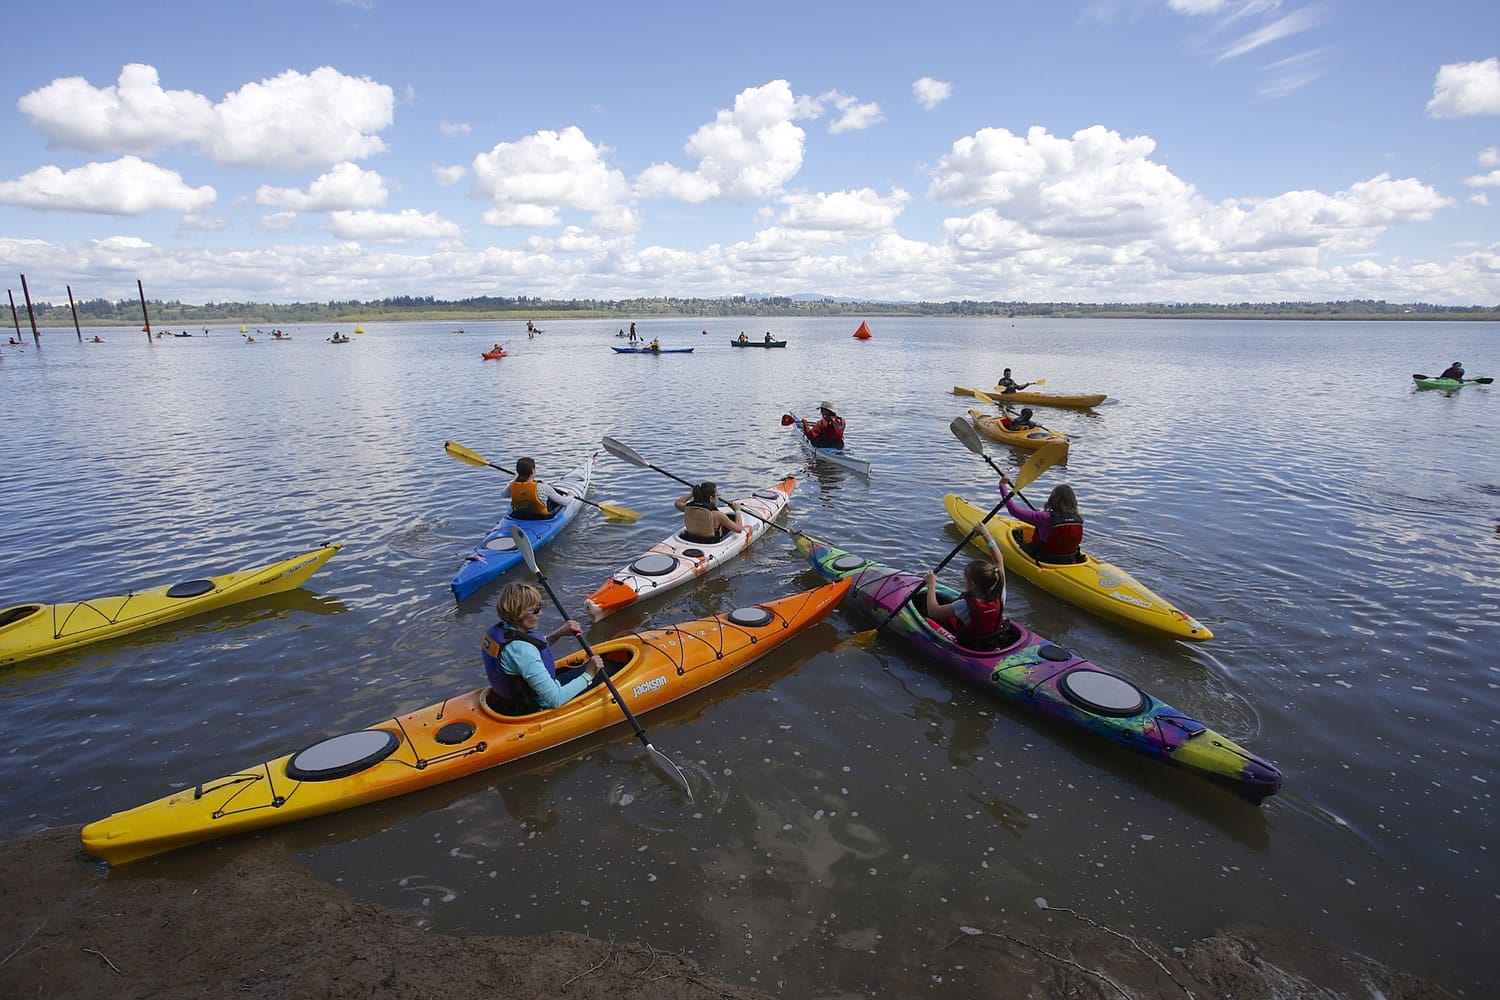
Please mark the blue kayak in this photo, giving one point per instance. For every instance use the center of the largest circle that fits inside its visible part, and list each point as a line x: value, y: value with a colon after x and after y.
x: 497, y: 551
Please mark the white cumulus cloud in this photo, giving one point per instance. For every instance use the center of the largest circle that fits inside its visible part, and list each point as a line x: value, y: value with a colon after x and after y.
x: 346, y: 186
x: 291, y: 121
x: 930, y: 93
x: 127, y: 186
x: 454, y: 128
x: 448, y: 176
x: 388, y: 227
x: 1463, y: 89
x: 532, y: 181
x: 843, y: 214
x: 746, y: 152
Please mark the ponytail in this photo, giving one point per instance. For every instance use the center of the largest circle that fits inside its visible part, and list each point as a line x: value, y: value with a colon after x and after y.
x: 983, y: 580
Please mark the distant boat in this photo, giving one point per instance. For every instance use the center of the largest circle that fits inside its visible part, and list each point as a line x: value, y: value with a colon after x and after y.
x: 863, y: 333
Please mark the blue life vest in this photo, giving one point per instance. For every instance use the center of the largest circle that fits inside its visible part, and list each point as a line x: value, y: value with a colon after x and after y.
x: 512, y: 688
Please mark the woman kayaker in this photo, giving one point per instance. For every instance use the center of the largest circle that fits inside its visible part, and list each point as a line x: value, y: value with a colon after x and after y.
x: 827, y: 432
x: 977, y: 618
x: 1009, y: 384
x: 532, y: 499
x: 702, y: 520
x: 518, y: 659
x: 1058, y: 525
x: 1454, y: 371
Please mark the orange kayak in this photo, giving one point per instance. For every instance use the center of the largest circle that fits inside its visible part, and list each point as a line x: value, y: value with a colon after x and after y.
x: 458, y: 735
x: 1033, y: 438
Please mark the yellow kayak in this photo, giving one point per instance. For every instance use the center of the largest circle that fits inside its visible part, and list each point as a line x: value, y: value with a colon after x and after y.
x: 28, y: 630
x: 1095, y: 586
x: 1076, y: 401
x: 1033, y: 437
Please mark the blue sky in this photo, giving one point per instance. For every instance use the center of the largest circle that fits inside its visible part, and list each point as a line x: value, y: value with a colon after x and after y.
x: 1119, y: 150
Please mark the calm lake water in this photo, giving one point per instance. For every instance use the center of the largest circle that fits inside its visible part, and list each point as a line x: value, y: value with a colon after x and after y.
x: 1281, y: 481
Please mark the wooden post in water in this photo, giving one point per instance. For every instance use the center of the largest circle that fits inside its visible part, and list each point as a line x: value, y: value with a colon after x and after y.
x: 76, y: 328
x: 142, y: 289
x: 15, y: 316
x: 30, y: 312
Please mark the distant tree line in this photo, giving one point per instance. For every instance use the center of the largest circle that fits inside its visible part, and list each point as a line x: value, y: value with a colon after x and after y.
x: 163, y: 313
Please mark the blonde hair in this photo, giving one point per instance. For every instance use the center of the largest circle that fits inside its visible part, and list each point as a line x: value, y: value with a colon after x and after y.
x: 515, y: 600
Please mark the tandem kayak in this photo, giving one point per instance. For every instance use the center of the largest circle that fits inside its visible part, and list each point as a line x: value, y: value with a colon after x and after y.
x: 837, y: 456
x: 1033, y: 438
x: 1036, y: 673
x: 647, y: 350
x: 1092, y: 585
x: 1077, y: 401
x: 28, y: 630
x: 674, y: 560
x: 757, y: 343
x: 456, y: 736
x: 496, y: 552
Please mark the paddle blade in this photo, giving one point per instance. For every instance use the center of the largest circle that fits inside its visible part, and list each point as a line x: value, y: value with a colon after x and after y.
x: 618, y: 513
x: 464, y: 455
x: 965, y: 432
x: 787, y: 420
x: 865, y: 639
x: 985, y: 397
x: 1044, y: 458
x: 625, y: 453
x: 1483, y: 380
x: 1040, y: 381
x: 523, y: 544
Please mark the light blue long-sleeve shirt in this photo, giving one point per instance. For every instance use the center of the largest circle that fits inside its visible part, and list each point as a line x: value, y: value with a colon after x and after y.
x: 524, y: 660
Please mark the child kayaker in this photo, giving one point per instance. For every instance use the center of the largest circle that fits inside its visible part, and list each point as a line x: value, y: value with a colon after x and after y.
x: 977, y: 618
x: 1058, y: 525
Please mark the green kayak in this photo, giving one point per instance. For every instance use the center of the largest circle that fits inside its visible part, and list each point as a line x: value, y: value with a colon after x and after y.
x: 1425, y: 382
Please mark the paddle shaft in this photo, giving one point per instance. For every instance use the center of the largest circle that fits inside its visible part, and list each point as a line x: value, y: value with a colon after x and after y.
x: 767, y: 521
x: 946, y: 560
x: 575, y: 496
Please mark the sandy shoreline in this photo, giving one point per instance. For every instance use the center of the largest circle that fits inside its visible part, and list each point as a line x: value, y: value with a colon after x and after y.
x: 263, y: 926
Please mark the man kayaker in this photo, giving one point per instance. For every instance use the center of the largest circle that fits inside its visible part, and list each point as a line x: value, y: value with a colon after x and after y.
x: 768, y: 337
x: 1058, y: 525
x: 1008, y: 384
x: 828, y: 432
x: 518, y: 659
x: 702, y: 520
x: 744, y: 339
x: 977, y: 618
x: 1454, y: 371
x: 532, y: 499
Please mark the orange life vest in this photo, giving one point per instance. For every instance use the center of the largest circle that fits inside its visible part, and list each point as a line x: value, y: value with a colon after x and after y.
x: 524, y: 499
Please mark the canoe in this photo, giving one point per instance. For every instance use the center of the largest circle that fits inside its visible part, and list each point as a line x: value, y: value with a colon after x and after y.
x: 1077, y: 401
x: 1035, y: 673
x: 835, y: 456
x: 456, y: 736
x: 647, y: 350
x: 1423, y: 382
x: 1093, y: 585
x: 28, y: 630
x: 496, y: 552
x: 1033, y: 438
x: 674, y: 560
x: 756, y: 343
x: 492, y: 355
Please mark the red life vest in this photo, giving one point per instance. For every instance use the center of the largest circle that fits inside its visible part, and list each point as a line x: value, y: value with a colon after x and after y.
x: 1064, y: 538
x: 828, y: 432
x: 986, y: 620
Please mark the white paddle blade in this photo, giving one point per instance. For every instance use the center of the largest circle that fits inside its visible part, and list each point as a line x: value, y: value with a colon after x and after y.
x: 523, y: 544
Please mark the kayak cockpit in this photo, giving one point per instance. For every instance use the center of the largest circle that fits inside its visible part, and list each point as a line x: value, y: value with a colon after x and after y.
x: 615, y: 660
x: 18, y: 613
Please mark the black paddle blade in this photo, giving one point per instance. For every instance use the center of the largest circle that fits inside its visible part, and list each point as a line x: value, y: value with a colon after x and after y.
x: 964, y: 431
x: 624, y: 452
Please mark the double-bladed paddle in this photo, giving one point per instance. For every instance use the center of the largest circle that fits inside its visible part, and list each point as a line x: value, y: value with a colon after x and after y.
x: 628, y: 454
x: 524, y: 544
x: 1482, y: 379
x: 468, y: 457
x: 1038, y: 463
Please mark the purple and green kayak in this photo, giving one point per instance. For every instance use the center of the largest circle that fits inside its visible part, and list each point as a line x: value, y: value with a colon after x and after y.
x: 1038, y: 674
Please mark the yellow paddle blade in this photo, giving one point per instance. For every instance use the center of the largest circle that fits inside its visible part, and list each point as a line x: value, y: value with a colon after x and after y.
x: 464, y: 455
x: 1040, y: 381
x: 620, y: 513
x: 864, y: 639
x: 1043, y: 459
x: 984, y: 397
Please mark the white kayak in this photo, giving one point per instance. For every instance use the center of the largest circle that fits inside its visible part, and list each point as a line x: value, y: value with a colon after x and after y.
x: 674, y: 560
x: 836, y: 456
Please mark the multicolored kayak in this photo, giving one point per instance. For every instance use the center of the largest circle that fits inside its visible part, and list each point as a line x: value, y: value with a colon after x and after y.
x: 835, y: 456
x: 1033, y: 437
x: 458, y: 735
x: 496, y: 552
x: 1077, y: 401
x: 674, y: 560
x: 28, y: 630
x: 1095, y: 586
x: 1036, y: 673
